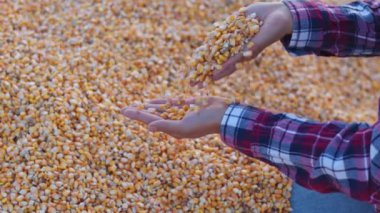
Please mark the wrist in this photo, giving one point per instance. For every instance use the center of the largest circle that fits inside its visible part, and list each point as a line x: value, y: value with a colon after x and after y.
x: 287, y: 19
x: 218, y: 114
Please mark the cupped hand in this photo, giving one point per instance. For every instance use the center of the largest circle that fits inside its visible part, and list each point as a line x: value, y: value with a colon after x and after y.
x: 195, y: 124
x: 277, y: 23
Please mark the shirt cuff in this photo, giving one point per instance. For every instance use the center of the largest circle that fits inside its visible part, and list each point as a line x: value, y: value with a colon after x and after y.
x: 306, y: 37
x: 236, y: 120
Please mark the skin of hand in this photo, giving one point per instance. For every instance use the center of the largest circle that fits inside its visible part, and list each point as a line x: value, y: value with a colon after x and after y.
x: 196, y: 124
x: 277, y: 23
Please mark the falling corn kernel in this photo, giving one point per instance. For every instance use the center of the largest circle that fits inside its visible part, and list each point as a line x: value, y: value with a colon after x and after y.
x: 227, y: 39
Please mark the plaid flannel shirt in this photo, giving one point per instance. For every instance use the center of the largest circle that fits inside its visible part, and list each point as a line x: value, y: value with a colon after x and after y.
x: 325, y: 157
x: 347, y: 30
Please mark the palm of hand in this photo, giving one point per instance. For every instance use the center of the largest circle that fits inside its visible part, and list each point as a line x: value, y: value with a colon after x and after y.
x: 195, y: 124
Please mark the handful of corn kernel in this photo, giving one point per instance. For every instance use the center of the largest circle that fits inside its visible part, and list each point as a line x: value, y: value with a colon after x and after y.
x: 177, y: 109
x: 171, y: 110
x: 228, y: 38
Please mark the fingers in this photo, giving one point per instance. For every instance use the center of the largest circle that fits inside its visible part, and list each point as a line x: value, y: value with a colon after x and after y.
x: 229, y: 67
x: 156, y: 107
x: 164, y: 101
x: 149, y: 105
x: 200, y: 85
x: 205, y: 101
x: 216, y: 100
x: 273, y: 29
x: 172, y: 101
x: 158, y: 101
x: 155, y: 123
x: 197, y: 84
x: 193, y: 83
x: 140, y: 115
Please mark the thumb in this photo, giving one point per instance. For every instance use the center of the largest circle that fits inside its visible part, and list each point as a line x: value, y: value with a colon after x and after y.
x: 170, y: 127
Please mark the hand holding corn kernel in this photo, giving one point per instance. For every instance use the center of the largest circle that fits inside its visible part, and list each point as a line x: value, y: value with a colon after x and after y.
x: 241, y: 37
x: 181, y: 118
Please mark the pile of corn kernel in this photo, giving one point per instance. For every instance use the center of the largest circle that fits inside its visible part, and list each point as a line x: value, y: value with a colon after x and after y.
x: 228, y: 38
x: 63, y: 79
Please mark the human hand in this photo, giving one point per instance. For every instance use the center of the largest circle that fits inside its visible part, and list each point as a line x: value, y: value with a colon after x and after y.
x: 277, y: 23
x: 195, y: 124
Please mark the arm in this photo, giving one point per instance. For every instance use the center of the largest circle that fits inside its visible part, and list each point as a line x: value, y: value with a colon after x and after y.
x: 347, y: 30
x: 325, y: 157
x: 311, y: 27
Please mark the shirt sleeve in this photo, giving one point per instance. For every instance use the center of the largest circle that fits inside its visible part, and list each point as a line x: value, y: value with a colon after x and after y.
x: 325, y: 157
x: 328, y: 30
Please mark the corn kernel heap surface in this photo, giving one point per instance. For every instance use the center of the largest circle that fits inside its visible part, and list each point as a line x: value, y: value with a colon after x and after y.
x: 228, y: 38
x: 66, y: 69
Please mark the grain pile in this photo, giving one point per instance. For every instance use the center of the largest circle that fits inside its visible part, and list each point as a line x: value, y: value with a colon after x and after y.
x: 67, y: 67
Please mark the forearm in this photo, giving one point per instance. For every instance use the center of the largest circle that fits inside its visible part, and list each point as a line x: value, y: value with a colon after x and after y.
x: 326, y: 157
x: 347, y: 30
